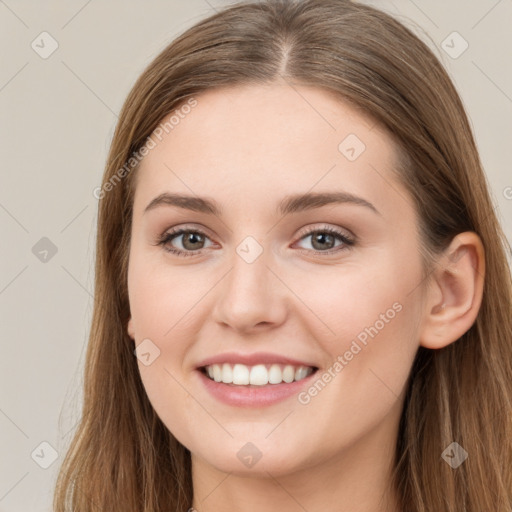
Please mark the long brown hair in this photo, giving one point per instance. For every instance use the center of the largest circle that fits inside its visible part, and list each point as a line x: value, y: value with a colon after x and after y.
x: 122, y: 457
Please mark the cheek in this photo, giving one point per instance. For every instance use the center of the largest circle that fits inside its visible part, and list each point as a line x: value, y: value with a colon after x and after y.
x: 340, y: 303
x: 366, y: 320
x: 162, y: 299
x: 166, y: 307
x: 364, y: 383
x: 170, y: 398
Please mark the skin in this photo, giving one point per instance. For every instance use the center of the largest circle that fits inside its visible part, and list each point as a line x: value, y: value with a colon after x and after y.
x: 246, y: 148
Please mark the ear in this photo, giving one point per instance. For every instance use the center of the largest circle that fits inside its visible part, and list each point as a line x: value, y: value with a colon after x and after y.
x: 130, y: 330
x: 454, y: 293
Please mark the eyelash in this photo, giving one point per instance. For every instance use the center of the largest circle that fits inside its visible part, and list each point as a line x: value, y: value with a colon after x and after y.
x: 170, y: 235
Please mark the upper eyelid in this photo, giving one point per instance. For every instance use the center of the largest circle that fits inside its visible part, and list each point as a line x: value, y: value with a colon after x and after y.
x: 178, y: 231
x: 206, y: 231
x: 326, y: 227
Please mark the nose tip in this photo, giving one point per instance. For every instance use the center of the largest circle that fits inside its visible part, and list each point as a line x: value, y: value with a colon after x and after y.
x: 250, y: 296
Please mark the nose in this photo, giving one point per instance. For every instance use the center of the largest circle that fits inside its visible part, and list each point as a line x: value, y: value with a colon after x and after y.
x: 251, y: 297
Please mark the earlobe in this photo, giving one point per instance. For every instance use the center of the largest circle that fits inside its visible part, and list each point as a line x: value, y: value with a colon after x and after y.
x: 455, y: 295
x: 130, y: 329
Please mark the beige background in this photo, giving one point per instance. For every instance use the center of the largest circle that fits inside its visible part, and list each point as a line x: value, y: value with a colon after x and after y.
x: 58, y: 116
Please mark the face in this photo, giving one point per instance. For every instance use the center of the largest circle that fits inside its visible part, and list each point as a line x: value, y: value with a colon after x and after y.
x: 310, y: 305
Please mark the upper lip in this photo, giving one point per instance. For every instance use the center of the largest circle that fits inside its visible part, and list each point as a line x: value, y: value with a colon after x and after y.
x: 252, y: 359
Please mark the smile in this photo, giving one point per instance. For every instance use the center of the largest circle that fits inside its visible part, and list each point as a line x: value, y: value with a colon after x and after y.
x: 258, y: 375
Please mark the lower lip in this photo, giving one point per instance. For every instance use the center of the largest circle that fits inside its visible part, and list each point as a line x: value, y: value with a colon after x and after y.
x: 253, y: 396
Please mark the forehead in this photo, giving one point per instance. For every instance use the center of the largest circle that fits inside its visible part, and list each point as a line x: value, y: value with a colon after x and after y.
x: 246, y: 141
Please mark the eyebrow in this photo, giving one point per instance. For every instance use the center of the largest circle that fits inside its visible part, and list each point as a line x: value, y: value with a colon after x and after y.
x: 290, y: 204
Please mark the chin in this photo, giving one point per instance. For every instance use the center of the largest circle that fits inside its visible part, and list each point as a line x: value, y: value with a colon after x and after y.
x: 259, y: 457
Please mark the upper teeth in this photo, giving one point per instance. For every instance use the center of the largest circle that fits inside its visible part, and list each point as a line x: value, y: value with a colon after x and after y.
x: 258, y: 375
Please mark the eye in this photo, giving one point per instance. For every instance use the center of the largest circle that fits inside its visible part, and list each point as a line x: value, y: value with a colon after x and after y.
x: 323, y: 240
x: 192, y: 241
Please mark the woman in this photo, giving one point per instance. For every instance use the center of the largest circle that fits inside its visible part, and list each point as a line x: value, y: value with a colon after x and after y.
x: 302, y: 296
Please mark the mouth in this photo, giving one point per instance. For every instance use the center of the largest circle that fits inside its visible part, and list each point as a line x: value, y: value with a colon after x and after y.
x: 259, y: 375
x: 255, y: 380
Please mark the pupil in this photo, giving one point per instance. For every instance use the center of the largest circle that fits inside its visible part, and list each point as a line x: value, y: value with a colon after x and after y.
x: 193, y: 238
x: 323, y: 238
x: 190, y: 239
